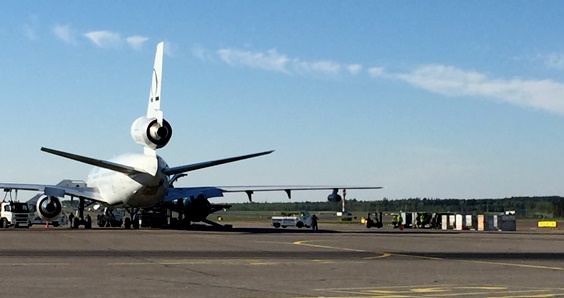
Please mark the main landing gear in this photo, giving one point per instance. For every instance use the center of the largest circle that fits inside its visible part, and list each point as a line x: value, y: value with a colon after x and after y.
x: 132, y: 221
x: 80, y: 219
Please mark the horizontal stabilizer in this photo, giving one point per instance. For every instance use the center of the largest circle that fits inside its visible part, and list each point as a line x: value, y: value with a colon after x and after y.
x: 206, y: 164
x: 96, y: 162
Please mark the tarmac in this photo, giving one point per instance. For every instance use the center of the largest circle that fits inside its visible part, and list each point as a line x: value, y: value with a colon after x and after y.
x: 255, y: 260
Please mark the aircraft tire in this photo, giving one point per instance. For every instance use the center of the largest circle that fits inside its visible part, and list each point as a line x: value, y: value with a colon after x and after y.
x: 127, y: 225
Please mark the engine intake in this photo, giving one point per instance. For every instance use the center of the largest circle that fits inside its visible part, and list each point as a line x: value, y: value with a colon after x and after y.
x: 148, y: 132
x: 49, y: 207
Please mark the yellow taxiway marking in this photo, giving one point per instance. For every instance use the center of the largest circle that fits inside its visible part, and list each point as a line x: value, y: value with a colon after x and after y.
x: 516, y: 265
x: 384, y: 255
x: 304, y: 243
x: 34, y: 264
x: 447, y: 291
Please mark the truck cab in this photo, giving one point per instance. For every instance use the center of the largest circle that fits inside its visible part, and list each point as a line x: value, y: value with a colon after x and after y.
x: 14, y: 214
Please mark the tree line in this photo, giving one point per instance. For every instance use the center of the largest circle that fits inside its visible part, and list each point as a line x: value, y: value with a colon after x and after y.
x: 531, y: 207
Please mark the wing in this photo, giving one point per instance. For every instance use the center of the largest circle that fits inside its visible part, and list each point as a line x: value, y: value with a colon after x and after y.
x: 186, y: 192
x: 212, y: 163
x: 57, y: 190
x: 213, y: 191
x: 249, y: 190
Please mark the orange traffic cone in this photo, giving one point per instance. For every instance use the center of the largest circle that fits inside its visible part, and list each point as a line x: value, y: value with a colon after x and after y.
x: 46, y: 224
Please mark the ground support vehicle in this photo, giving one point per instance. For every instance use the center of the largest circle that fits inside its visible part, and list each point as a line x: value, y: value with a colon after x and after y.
x: 303, y: 219
x: 374, y: 220
x: 14, y: 214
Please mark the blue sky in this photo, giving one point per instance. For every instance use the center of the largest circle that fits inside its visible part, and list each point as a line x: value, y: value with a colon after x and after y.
x: 441, y: 99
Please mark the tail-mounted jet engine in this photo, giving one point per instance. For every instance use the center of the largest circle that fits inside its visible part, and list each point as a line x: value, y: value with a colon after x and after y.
x: 48, y: 207
x: 334, y: 196
x: 148, y: 132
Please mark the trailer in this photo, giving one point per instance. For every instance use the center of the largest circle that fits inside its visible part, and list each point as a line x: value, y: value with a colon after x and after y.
x: 374, y: 220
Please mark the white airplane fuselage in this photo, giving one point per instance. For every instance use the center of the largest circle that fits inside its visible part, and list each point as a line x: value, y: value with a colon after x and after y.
x: 134, y: 190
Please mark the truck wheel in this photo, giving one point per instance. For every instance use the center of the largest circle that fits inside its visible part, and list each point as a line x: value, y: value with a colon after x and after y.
x: 276, y: 225
x: 284, y: 227
x: 4, y: 223
x: 300, y: 224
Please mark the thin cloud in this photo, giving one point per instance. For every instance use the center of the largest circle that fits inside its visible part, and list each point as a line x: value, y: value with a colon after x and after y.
x: 376, y: 71
x: 30, y: 28
x: 29, y: 32
x: 201, y: 53
x: 354, y: 69
x: 272, y: 60
x: 324, y: 67
x: 64, y: 33
x: 545, y: 95
x: 554, y: 60
x: 136, y: 41
x: 104, y: 39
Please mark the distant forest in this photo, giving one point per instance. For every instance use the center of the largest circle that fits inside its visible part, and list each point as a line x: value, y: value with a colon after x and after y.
x: 529, y: 207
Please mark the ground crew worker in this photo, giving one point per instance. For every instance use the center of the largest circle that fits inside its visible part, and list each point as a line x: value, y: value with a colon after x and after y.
x: 422, y: 220
x: 400, y: 222
x: 71, y: 219
x: 314, y: 222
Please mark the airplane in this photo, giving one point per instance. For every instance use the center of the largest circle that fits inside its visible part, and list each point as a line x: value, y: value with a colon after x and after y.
x: 138, y: 181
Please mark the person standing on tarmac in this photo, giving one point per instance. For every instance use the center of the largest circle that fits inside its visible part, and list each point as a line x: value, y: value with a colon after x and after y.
x: 314, y: 222
x: 71, y: 219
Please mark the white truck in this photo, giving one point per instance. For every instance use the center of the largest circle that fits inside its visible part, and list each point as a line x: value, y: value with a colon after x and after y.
x: 14, y: 214
x: 303, y: 219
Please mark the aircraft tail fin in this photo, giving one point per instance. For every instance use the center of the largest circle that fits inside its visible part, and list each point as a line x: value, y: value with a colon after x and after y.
x: 154, y: 107
x: 154, y: 130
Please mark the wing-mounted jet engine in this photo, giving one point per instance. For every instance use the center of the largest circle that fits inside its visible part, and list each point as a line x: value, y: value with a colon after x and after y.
x: 334, y: 196
x: 150, y: 133
x: 48, y: 207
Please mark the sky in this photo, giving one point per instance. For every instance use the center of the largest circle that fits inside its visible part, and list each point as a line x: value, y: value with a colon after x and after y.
x: 430, y: 99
